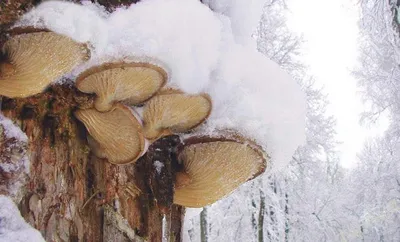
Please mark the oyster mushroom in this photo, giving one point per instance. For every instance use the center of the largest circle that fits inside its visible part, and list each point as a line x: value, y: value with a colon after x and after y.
x: 132, y: 83
x: 31, y: 61
x: 174, y: 112
x: 214, y: 169
x: 115, y: 135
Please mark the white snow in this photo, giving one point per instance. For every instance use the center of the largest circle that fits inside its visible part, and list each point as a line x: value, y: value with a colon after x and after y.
x: 86, y: 24
x: 205, y: 51
x: 17, y: 162
x: 183, y: 34
x: 11, y: 130
x: 192, y: 212
x: 244, y: 16
x: 259, y: 101
x: 12, y: 225
x: 158, y: 165
x: 190, y: 215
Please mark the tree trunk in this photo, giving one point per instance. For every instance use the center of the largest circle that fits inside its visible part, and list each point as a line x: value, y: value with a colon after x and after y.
x: 70, y: 194
x: 287, y: 228
x: 203, y: 225
x: 73, y: 196
x: 261, y: 218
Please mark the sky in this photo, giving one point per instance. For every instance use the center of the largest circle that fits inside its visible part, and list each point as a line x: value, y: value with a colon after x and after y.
x: 330, y: 30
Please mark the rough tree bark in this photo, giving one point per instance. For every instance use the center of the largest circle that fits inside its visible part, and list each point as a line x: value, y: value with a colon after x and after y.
x: 70, y: 194
x: 203, y: 225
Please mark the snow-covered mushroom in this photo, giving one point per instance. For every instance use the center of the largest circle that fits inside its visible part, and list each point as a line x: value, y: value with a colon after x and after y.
x: 215, y: 168
x: 115, y: 135
x: 174, y: 112
x: 31, y: 61
x: 132, y: 83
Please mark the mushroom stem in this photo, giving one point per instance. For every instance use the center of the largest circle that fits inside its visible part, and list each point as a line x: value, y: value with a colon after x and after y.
x: 6, y: 69
x: 103, y: 104
x: 154, y: 134
x: 182, y: 179
x: 131, y: 83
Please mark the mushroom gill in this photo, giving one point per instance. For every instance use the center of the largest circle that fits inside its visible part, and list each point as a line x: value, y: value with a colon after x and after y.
x: 115, y: 135
x: 31, y: 61
x: 132, y: 83
x: 174, y: 113
x: 213, y: 170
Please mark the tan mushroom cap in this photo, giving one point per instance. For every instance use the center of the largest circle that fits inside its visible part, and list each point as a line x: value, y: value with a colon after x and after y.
x: 174, y: 113
x: 132, y: 83
x: 214, y: 170
x: 115, y: 135
x: 31, y: 61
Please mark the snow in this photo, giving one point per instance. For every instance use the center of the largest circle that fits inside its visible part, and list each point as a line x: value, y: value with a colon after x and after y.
x: 86, y: 24
x: 158, y: 165
x: 12, y: 225
x: 190, y: 215
x: 183, y: 34
x: 244, y: 16
x: 192, y: 212
x: 11, y: 130
x: 13, y: 158
x: 205, y: 51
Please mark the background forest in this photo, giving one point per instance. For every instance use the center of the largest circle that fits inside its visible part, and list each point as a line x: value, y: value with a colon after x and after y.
x: 314, y: 198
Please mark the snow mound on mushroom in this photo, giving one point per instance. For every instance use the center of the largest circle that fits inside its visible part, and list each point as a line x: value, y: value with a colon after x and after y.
x: 254, y: 97
x: 183, y: 34
x: 12, y: 225
x: 205, y: 52
x: 85, y: 23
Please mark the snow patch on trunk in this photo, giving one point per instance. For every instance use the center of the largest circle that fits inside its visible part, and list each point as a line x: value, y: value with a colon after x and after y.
x: 158, y: 166
x: 11, y: 130
x: 14, y: 162
x: 12, y: 226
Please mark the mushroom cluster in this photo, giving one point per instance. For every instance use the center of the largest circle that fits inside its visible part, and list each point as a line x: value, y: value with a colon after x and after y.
x: 120, y: 131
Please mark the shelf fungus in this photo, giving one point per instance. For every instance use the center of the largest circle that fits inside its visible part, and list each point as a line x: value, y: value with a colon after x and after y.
x: 212, y: 169
x: 115, y: 135
x: 30, y: 61
x: 132, y: 83
x: 174, y: 112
